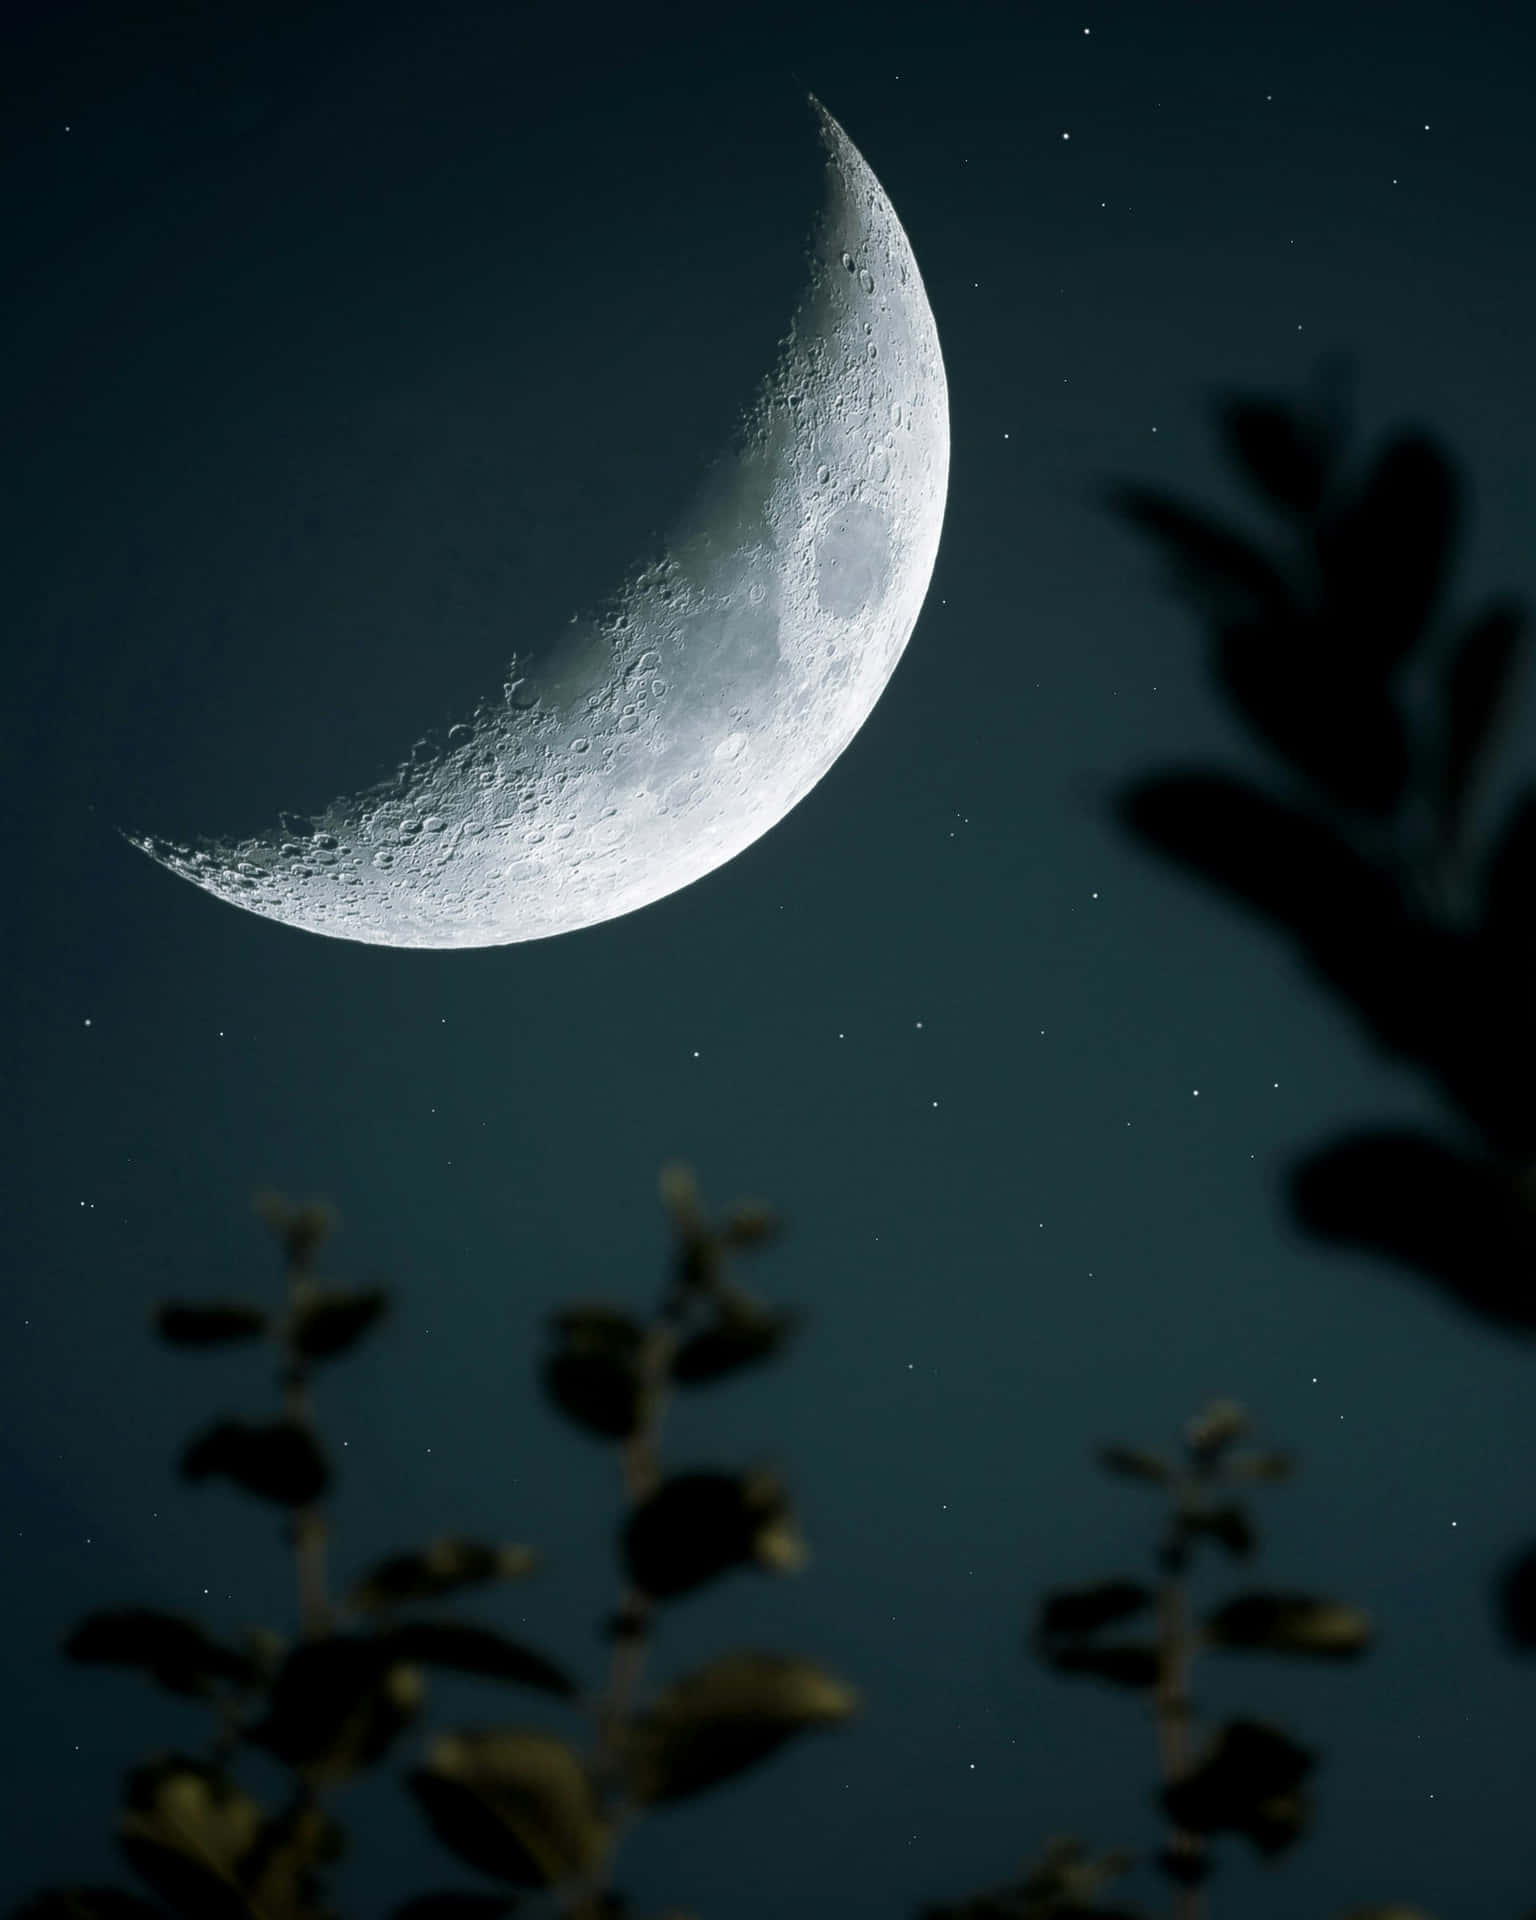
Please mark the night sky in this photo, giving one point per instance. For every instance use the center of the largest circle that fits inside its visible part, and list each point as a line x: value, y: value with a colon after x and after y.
x: 344, y: 348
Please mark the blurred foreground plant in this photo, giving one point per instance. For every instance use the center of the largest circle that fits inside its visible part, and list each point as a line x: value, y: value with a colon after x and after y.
x: 525, y: 1806
x: 1381, y: 711
x: 520, y: 1804
x: 1247, y: 1777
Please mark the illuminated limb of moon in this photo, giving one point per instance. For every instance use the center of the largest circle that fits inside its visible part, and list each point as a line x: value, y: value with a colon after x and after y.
x: 668, y: 733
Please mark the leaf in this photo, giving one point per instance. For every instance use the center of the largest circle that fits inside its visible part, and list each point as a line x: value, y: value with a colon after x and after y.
x: 741, y: 1336
x: 212, y: 1323
x: 1478, y: 690
x: 1137, y: 1667
x: 593, y: 1374
x: 1412, y: 981
x: 278, y: 1461
x: 1335, y: 721
x: 1259, y: 1466
x: 1131, y: 1463
x: 1230, y: 579
x: 727, y: 1716
x: 513, y: 1802
x: 337, y: 1705
x: 698, y: 1265
x: 1184, y: 1865
x: 1209, y: 1433
x: 751, y: 1224
x: 1289, y: 1623
x: 698, y: 1255
x: 680, y: 1196
x: 697, y: 1526
x: 266, y: 1651
x: 280, y: 1875
x: 456, y: 1906
x: 1064, y: 1881
x: 85, y: 1903
x: 175, y: 1652
x: 184, y: 1829
x: 1383, y: 557
x: 1077, y: 1610
x: 1246, y: 1782
x: 1517, y: 1600
x: 1276, y: 1823
x: 479, y: 1650
x: 302, y: 1231
x: 1457, y: 1220
x: 1229, y: 1525
x: 445, y: 1566
x: 326, y: 1324
x: 1509, y: 884
x: 1289, y: 866
x: 1283, y: 453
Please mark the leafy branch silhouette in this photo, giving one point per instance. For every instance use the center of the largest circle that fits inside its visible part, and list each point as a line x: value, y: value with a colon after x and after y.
x: 521, y: 1805
x: 1383, y: 715
x: 1248, y: 1776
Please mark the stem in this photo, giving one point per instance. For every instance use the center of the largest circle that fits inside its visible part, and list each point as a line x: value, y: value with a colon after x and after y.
x: 308, y: 1531
x: 308, y: 1534
x: 1171, y: 1704
x: 641, y: 1468
x: 1171, y: 1701
x: 226, y: 1741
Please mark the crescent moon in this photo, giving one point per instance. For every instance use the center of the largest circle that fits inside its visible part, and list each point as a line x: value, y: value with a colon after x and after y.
x: 672, y: 729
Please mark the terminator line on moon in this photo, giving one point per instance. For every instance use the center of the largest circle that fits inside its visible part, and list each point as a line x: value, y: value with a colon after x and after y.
x: 672, y: 730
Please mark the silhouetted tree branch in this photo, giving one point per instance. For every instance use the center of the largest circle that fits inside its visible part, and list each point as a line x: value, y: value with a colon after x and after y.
x: 520, y: 1805
x: 1247, y: 1777
x: 1382, y: 711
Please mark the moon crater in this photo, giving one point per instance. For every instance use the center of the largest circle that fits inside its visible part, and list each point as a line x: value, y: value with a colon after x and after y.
x: 667, y: 732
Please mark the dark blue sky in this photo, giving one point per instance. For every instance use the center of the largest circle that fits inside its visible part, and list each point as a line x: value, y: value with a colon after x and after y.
x: 344, y: 345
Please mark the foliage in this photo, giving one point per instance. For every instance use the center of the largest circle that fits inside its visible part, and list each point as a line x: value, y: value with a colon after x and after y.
x: 521, y: 1805
x: 1382, y: 711
x: 1247, y: 1777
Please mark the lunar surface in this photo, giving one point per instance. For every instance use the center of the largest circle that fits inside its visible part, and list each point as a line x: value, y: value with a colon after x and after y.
x: 714, y: 688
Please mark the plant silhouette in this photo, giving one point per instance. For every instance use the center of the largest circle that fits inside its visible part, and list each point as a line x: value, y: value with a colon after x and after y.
x: 1382, y: 713
x: 1248, y: 1777
x: 521, y: 1805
